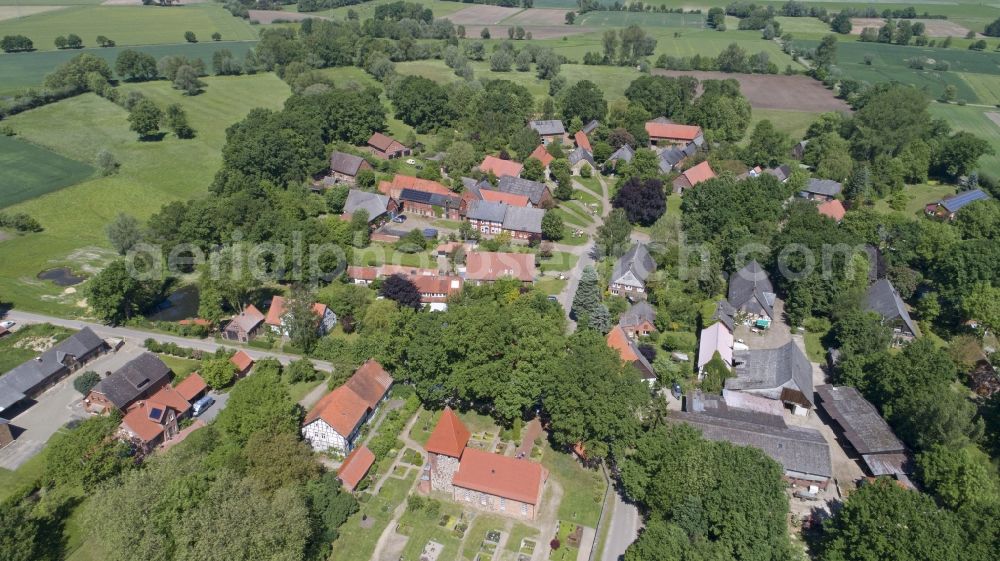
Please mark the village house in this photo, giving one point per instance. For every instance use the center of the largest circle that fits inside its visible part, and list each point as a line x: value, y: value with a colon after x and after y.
x: 537, y: 193
x: 245, y: 326
x: 434, y: 288
x: 579, y: 159
x: 628, y: 278
x: 500, y: 168
x: 137, y: 379
x: 277, y: 318
x: 492, y: 218
x: 484, y: 267
x: 581, y: 140
x: 639, y: 320
x: 368, y: 275
x: 483, y: 480
x: 355, y: 467
x: 803, y: 453
x: 799, y: 149
x: 386, y: 147
x: 833, y: 209
x: 243, y: 363
x: 821, y: 190
x: 783, y: 374
x: 693, y: 176
x: 662, y: 132
x: 781, y: 173
x: 344, y: 168
x: 883, y: 299
x: 590, y: 127
x: 335, y: 422
x: 623, y: 154
x: 675, y: 155
x: 716, y: 338
x: 422, y: 197
x: 551, y: 130
x: 629, y: 353
x: 542, y: 155
x: 379, y: 207
x: 751, y: 292
x: 192, y: 388
x: 152, y: 421
x: 870, y: 437
x: 32, y: 377
x: 948, y: 207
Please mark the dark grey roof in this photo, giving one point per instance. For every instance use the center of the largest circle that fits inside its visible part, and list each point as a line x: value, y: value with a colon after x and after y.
x: 434, y: 199
x: 471, y: 185
x: 374, y: 203
x: 347, y: 164
x: 634, y: 267
x: 725, y: 313
x: 33, y: 374
x: 772, y: 369
x: 581, y: 154
x: 487, y: 211
x: 876, y: 263
x: 625, y: 153
x: 884, y: 300
x: 670, y: 158
x: 523, y: 219
x: 955, y: 203
x: 782, y: 172
x: 863, y: 426
x: 751, y: 284
x: 639, y: 312
x: 589, y: 127
x: 520, y: 186
x: 800, y: 451
x: 825, y: 187
x: 126, y: 384
x: 548, y: 128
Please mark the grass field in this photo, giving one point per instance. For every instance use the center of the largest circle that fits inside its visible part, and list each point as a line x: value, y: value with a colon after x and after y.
x: 130, y: 25
x: 367, y: 9
x: 794, y: 123
x: 797, y: 26
x: 625, y: 19
x: 986, y: 87
x: 918, y: 197
x: 974, y: 120
x: 151, y: 174
x: 583, y: 489
x: 24, y: 70
x: 30, y: 171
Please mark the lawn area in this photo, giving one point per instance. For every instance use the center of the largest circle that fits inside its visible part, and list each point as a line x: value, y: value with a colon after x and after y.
x: 587, y: 197
x: 551, y: 285
x: 920, y: 196
x: 674, y: 206
x: 31, y: 171
x: 591, y: 183
x: 798, y: 26
x: 300, y: 389
x: 814, y: 347
x: 583, y: 489
x: 561, y: 261
x: 357, y: 539
x: 422, y: 527
x: 181, y: 367
x: 518, y: 533
x: 985, y: 86
x: 426, y: 421
x: 23, y: 70
x: 974, y: 120
x: 644, y: 19
x: 151, y: 174
x: 17, y: 347
x: 130, y: 25
x: 381, y: 254
x: 794, y: 123
x: 29, y: 470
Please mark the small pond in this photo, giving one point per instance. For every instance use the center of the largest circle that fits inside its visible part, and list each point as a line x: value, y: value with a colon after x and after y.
x: 180, y: 304
x: 62, y: 276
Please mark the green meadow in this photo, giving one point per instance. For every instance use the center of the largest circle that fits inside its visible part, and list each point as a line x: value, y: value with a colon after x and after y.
x: 151, y: 174
x: 130, y: 25
x: 30, y: 171
x: 974, y: 120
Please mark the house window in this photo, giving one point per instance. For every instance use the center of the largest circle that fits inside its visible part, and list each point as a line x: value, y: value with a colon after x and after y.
x: 482, y: 499
x: 524, y: 509
x: 503, y: 503
x: 468, y: 496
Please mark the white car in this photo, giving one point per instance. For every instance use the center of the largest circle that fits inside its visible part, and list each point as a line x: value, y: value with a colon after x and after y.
x: 7, y: 324
x: 411, y: 161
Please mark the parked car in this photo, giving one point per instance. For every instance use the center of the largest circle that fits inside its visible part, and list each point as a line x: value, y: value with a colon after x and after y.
x: 399, y: 219
x: 7, y: 324
x: 552, y: 299
x: 202, y: 404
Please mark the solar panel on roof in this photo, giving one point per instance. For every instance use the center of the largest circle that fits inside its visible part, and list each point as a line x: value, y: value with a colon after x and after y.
x: 155, y: 413
x: 416, y: 196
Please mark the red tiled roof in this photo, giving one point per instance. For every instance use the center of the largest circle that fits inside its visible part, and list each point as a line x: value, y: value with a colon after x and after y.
x: 342, y: 409
x: 449, y: 437
x: 502, y: 476
x: 191, y: 386
x: 385, y: 143
x: 833, y: 208
x: 399, y: 182
x: 430, y: 286
x: 277, y: 310
x: 242, y: 360
x: 490, y: 266
x: 502, y: 197
x: 582, y: 141
x: 699, y: 173
x: 542, y: 155
x: 370, y: 381
x: 672, y: 131
x: 618, y: 341
x: 249, y: 318
x: 500, y: 167
x: 137, y: 418
x: 355, y: 467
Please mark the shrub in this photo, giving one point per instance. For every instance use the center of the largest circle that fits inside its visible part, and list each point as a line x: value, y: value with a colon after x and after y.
x: 217, y: 36
x: 679, y: 341
x: 190, y: 37
x: 20, y: 222
x: 816, y: 325
x: 106, y: 162
x: 86, y: 382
